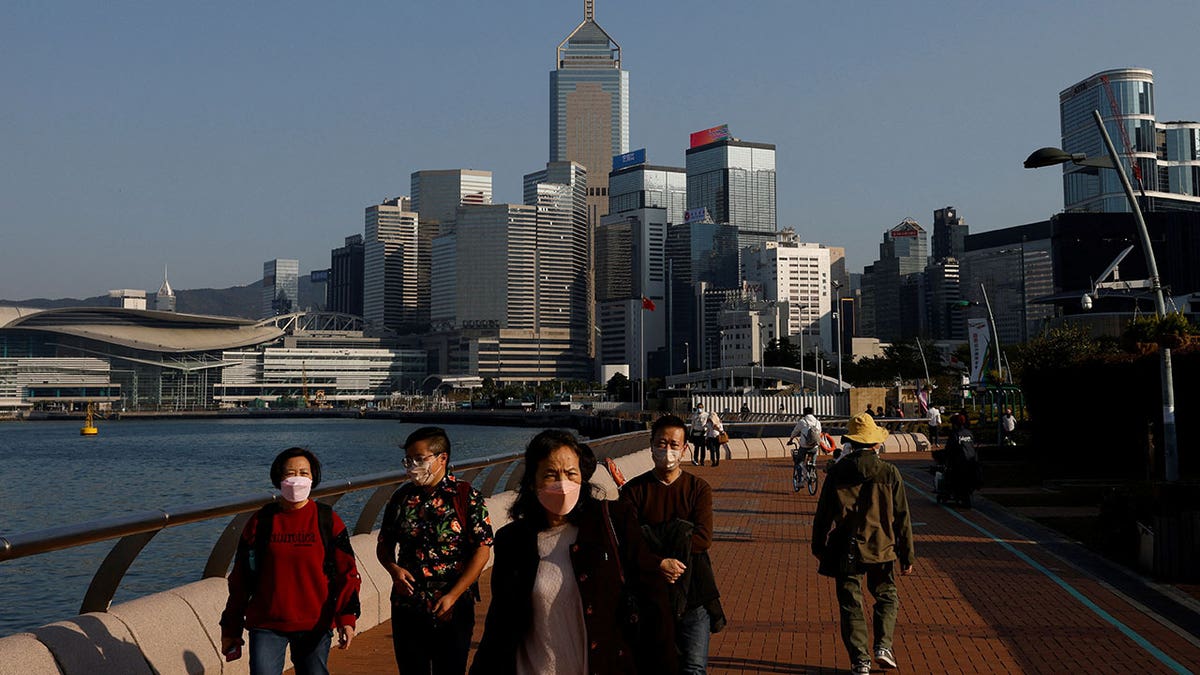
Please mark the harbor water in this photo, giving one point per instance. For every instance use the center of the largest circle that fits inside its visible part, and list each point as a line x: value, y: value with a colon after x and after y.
x: 52, y: 476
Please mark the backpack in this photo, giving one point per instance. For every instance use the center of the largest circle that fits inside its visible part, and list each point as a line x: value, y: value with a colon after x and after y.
x: 966, y: 445
x: 262, y: 540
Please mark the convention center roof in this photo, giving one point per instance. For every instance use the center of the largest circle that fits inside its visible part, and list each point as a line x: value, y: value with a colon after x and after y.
x: 143, y: 329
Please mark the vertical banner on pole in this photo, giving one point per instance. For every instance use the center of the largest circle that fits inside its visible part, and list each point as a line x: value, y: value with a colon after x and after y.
x: 979, y: 338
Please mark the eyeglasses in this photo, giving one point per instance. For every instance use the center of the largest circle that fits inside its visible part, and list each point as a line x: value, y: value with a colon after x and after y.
x: 410, y: 462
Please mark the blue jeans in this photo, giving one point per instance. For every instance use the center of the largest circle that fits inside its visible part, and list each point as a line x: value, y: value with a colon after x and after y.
x: 310, y: 651
x: 691, y: 636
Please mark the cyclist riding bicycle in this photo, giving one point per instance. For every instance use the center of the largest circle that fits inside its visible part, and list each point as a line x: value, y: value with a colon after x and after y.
x: 808, y: 432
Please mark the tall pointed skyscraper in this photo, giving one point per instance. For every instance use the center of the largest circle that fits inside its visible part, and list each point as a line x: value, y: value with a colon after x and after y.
x: 589, y: 107
x: 164, y: 300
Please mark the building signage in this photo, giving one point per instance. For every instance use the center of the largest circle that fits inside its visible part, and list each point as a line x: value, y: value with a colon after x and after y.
x: 718, y: 133
x: 318, y: 276
x: 629, y: 159
x: 904, y: 233
x: 696, y: 215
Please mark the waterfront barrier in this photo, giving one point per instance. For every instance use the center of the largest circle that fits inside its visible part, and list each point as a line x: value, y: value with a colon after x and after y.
x: 177, y: 631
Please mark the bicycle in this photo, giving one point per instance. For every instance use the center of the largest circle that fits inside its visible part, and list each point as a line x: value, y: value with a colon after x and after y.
x: 804, y: 471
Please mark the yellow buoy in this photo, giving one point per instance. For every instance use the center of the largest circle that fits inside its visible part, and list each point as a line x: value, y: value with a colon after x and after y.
x: 88, y: 428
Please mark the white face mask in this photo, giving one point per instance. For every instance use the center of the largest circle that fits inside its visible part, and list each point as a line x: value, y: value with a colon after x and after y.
x: 666, y: 458
x: 423, y: 474
x: 295, y: 489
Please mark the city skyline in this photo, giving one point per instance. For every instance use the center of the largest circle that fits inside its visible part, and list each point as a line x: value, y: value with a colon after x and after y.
x: 210, y: 140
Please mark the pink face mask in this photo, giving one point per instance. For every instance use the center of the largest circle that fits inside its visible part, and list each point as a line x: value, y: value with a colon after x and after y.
x: 295, y: 488
x: 559, y: 497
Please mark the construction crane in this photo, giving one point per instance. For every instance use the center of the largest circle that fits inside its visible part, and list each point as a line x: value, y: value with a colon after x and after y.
x: 1120, y: 119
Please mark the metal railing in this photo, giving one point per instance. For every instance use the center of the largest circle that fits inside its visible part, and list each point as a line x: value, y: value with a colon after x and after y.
x: 134, y: 531
x: 490, y: 475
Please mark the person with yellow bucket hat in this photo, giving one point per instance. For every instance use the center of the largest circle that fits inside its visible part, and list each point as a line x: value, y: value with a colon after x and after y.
x: 862, y: 527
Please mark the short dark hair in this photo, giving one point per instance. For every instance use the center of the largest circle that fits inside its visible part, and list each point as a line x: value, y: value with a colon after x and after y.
x: 668, y: 422
x: 540, y: 446
x: 434, y: 437
x: 283, y: 457
x: 808, y: 410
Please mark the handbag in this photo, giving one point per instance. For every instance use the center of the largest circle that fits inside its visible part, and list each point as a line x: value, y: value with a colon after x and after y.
x: 628, y: 611
x: 722, y: 437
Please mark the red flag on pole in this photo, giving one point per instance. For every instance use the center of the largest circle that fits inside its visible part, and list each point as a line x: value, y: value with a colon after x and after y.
x: 647, y: 303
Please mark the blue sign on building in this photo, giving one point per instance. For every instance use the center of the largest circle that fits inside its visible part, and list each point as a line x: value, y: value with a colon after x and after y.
x: 629, y: 159
x: 319, y: 276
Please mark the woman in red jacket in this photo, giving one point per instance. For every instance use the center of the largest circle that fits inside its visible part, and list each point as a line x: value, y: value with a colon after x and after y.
x: 294, y: 579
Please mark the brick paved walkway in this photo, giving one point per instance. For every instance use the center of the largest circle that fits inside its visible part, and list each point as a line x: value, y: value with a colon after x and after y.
x: 982, y: 598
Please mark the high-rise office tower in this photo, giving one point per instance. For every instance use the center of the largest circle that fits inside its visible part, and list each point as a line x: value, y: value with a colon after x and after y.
x: 437, y: 194
x: 563, y: 226
x: 589, y: 106
x: 796, y: 273
x: 698, y: 251
x: 941, y: 318
x: 395, y: 268
x: 1161, y: 158
x: 644, y: 200
x: 891, y: 285
x: 344, y: 292
x: 735, y: 181
x: 630, y: 266
x: 949, y: 232
x: 164, y: 299
x: 280, y: 287
x: 515, y: 312
x: 641, y: 185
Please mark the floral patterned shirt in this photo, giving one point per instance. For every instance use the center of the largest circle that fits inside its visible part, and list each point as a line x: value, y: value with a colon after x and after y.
x: 433, y: 544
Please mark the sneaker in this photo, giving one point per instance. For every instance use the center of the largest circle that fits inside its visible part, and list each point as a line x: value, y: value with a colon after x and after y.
x: 885, y: 657
x: 861, y: 667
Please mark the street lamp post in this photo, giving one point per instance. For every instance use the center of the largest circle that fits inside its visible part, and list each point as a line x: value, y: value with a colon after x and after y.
x: 1052, y: 156
x: 837, y: 303
x: 687, y: 366
x: 761, y: 355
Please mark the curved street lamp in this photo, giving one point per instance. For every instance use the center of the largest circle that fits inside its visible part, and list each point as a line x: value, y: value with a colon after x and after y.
x: 1052, y: 156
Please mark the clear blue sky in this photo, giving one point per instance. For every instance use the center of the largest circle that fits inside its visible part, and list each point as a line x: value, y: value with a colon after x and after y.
x: 211, y: 136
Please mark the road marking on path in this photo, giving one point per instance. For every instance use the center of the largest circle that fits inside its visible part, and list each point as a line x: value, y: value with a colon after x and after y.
x: 1071, y: 590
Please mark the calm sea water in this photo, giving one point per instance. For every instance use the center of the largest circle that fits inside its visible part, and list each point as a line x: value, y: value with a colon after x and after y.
x: 51, y: 476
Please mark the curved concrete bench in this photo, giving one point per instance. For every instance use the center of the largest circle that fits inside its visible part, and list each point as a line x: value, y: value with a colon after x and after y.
x: 98, y: 644
x: 23, y: 654
x: 906, y: 442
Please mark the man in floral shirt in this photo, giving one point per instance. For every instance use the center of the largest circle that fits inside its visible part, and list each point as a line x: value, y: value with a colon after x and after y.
x: 435, y: 541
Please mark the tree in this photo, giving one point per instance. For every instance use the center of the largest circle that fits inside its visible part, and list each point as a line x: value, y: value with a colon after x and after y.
x: 781, y: 352
x: 618, y: 387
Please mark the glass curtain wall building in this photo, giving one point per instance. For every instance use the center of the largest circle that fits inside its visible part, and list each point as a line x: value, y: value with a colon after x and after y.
x: 735, y: 181
x: 280, y: 287
x: 1151, y: 152
x: 589, y: 106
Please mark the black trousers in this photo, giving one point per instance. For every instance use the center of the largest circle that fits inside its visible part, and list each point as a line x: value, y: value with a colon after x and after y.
x: 698, y: 447
x: 426, y: 646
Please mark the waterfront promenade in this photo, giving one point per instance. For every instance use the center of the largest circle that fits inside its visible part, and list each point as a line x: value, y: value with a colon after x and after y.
x: 991, y: 592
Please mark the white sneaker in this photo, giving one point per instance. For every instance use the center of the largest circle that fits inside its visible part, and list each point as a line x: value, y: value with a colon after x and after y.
x: 861, y: 668
x: 885, y: 657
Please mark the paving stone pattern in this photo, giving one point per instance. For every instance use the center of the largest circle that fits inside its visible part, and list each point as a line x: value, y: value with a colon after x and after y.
x: 971, y: 606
